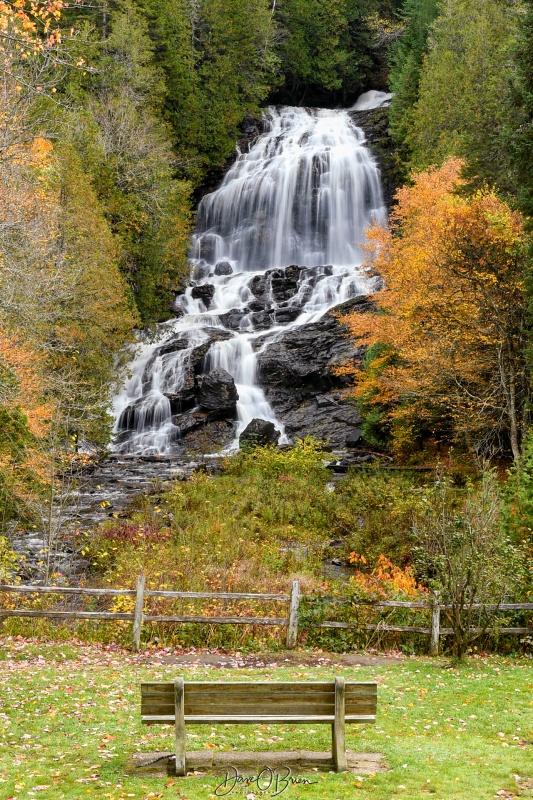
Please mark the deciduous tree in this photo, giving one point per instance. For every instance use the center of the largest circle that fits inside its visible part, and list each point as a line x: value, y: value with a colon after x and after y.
x: 451, y: 319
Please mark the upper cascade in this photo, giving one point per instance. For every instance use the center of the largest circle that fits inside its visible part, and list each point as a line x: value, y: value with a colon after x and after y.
x: 302, y: 195
x: 276, y: 246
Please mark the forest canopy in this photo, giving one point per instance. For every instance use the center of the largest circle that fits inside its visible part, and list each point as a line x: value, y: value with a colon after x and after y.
x: 116, y: 116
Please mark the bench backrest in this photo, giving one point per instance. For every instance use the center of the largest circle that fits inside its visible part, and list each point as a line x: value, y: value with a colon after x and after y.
x: 258, y: 699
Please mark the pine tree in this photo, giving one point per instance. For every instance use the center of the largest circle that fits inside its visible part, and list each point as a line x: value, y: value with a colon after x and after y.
x: 519, y: 135
x: 326, y: 45
x: 466, y: 78
x: 406, y: 59
x: 126, y: 145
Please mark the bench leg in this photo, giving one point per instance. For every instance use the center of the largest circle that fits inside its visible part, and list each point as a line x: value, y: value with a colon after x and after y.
x: 179, y: 702
x: 339, y: 728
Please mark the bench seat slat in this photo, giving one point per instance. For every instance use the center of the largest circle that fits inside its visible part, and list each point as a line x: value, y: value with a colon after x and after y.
x: 207, y: 719
x: 222, y: 707
x: 244, y: 694
x: 293, y: 686
x: 362, y: 707
x: 192, y: 709
x: 279, y: 688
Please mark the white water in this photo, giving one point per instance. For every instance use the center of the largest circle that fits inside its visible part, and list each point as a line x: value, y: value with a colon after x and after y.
x: 302, y: 195
x: 370, y: 100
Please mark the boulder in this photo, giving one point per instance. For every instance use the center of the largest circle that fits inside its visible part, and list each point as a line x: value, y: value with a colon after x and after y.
x: 307, y: 356
x: 217, y: 393
x: 277, y: 285
x: 190, y: 421
x: 232, y: 319
x: 327, y: 419
x: 354, y: 438
x: 223, y: 268
x: 204, y: 292
x: 288, y: 314
x: 259, y: 432
x: 210, y: 437
x: 183, y: 400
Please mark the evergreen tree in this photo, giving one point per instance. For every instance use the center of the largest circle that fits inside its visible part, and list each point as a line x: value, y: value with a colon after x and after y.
x: 406, y: 59
x: 326, y: 45
x: 518, y: 141
x: 126, y: 146
x: 466, y: 77
x: 219, y: 64
x: 519, y: 496
x: 96, y: 318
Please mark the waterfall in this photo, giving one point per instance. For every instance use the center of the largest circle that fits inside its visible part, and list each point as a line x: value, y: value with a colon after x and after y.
x: 276, y: 246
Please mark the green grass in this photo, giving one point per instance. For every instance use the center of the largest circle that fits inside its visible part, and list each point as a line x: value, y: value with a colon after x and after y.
x: 70, y: 720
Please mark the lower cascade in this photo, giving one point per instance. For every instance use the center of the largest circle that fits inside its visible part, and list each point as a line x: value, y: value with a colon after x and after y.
x: 276, y: 247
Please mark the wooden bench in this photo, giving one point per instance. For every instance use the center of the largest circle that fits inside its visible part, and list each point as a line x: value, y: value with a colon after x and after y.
x: 333, y: 703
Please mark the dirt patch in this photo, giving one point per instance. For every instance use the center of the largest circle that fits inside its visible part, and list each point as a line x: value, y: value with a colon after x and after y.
x: 297, y: 761
x: 271, y: 660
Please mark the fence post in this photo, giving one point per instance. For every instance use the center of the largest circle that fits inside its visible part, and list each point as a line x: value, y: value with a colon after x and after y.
x: 435, y: 624
x: 292, y: 626
x: 138, y: 615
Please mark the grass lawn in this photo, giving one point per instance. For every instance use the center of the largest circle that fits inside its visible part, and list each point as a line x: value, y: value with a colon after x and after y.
x: 70, y: 720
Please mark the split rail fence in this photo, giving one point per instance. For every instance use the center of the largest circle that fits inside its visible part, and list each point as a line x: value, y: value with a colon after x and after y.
x: 290, y: 622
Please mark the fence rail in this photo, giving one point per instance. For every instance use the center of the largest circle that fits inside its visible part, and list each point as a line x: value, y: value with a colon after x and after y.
x: 290, y: 622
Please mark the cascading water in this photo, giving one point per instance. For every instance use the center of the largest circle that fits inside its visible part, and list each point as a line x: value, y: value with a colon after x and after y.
x: 293, y: 209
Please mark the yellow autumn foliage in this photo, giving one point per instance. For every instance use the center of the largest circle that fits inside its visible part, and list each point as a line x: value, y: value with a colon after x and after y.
x: 450, y: 320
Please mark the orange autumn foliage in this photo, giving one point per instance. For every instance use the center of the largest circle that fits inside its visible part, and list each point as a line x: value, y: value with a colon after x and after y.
x: 22, y: 384
x: 385, y: 580
x: 30, y: 23
x: 451, y: 317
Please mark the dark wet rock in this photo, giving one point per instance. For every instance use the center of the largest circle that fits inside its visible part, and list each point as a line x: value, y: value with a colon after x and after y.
x: 217, y: 393
x: 216, y: 334
x: 348, y: 461
x: 262, y: 320
x: 330, y: 423
x: 173, y: 345
x: 232, y: 319
x: 182, y: 401
x: 298, y: 375
x: 307, y: 356
x: 195, y: 362
x: 211, y: 437
x: 281, y: 286
x: 200, y: 271
x: 259, y: 305
x: 282, y: 316
x: 190, y: 421
x: 354, y: 438
x: 375, y: 124
x: 204, y: 292
x: 223, y: 268
x: 284, y: 282
x: 257, y: 285
x: 278, y: 285
x: 259, y: 432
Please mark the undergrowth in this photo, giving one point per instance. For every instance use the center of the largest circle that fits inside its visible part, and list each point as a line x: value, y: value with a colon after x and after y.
x: 272, y: 516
